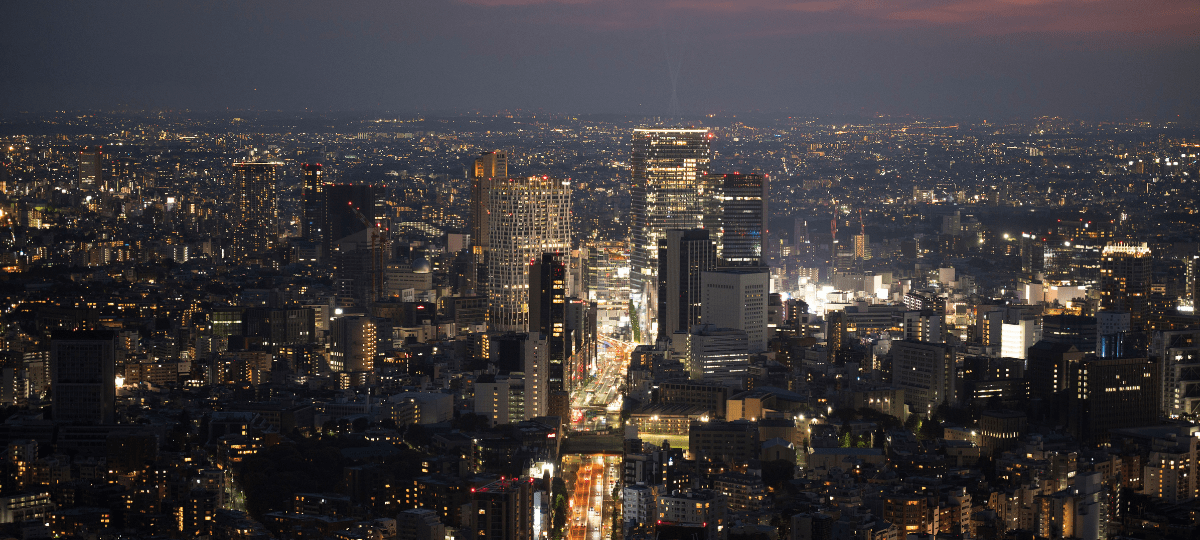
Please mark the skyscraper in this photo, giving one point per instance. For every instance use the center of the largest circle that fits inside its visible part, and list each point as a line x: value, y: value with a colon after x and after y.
x: 312, y: 220
x: 83, y: 368
x: 529, y: 216
x: 352, y: 345
x: 666, y: 193
x: 255, y: 202
x: 1125, y: 280
x: 1112, y: 393
x: 926, y: 372
x: 737, y: 298
x: 90, y: 160
x: 548, y: 311
x: 736, y: 211
x: 683, y: 258
x: 489, y: 167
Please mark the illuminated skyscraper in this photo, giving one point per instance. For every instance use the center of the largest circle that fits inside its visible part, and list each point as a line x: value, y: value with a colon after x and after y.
x: 256, y: 208
x: 683, y: 258
x: 736, y: 213
x: 548, y: 310
x: 529, y: 217
x: 488, y: 167
x: 1125, y: 280
x: 666, y: 193
x: 312, y: 222
x: 90, y: 160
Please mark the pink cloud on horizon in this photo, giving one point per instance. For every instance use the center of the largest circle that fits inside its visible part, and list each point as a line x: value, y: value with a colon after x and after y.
x: 1156, y: 19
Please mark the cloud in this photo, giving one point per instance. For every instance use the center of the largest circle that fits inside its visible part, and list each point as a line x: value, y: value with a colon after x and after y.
x: 1157, y: 19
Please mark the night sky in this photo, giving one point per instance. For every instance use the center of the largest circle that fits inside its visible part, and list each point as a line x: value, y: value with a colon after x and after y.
x: 1092, y: 59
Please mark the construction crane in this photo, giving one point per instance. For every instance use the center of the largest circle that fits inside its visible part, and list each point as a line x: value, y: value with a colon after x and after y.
x: 379, y: 242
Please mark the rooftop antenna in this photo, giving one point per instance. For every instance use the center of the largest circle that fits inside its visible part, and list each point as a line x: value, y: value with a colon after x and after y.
x: 673, y: 51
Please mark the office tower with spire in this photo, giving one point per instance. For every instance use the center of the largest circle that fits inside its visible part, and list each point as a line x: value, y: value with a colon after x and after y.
x: 529, y: 217
x: 683, y: 258
x: 1125, y: 280
x: 666, y: 193
x: 312, y: 219
x: 256, y: 208
x: 735, y: 210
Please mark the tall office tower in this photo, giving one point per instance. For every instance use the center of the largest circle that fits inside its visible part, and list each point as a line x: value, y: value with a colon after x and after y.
x: 352, y: 344
x: 1178, y: 351
x: 312, y: 221
x: 489, y: 167
x: 548, y: 311
x: 1112, y: 393
x: 83, y: 368
x: 501, y: 510
x: 666, y: 166
x: 926, y: 372
x: 90, y: 166
x: 256, y: 208
x: 683, y: 258
x: 737, y: 298
x: 1125, y: 280
x: 735, y: 209
x: 529, y: 216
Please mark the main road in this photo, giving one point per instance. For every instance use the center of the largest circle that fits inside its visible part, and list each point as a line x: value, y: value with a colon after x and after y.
x: 600, y: 397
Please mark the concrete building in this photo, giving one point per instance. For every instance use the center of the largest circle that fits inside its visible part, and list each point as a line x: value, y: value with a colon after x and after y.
x: 737, y: 298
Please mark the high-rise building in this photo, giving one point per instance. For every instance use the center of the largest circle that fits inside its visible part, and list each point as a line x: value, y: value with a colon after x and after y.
x: 737, y: 298
x: 548, y: 311
x: 502, y: 510
x: 666, y: 193
x: 83, y: 368
x: 529, y: 216
x: 255, y: 201
x: 1017, y: 337
x: 352, y: 344
x: 735, y: 209
x: 489, y: 166
x: 90, y: 167
x: 1125, y: 280
x: 1178, y: 351
x: 341, y: 201
x: 717, y: 354
x: 1072, y: 330
x: 522, y: 360
x: 1112, y: 393
x: 312, y: 220
x: 1111, y: 328
x: 926, y: 372
x: 683, y: 258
